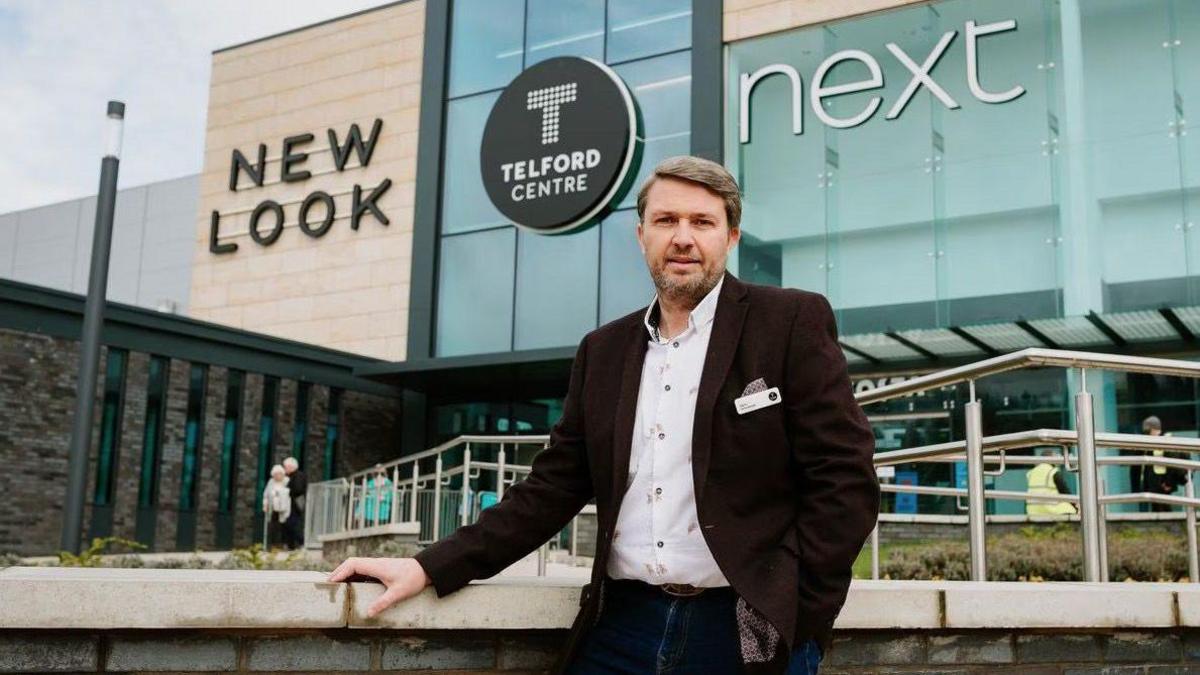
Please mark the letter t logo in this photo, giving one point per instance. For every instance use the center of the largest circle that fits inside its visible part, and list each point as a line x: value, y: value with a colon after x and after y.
x: 548, y: 100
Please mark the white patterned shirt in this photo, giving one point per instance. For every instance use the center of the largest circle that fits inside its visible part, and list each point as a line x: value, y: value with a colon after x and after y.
x: 657, y: 538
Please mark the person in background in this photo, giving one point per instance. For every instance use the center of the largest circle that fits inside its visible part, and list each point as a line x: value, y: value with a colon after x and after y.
x: 1159, y: 480
x: 1046, y: 479
x: 277, y: 504
x: 297, y: 488
x: 376, y: 505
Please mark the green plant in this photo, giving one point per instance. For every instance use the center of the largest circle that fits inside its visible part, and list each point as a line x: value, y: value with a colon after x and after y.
x: 91, y: 556
x: 9, y: 560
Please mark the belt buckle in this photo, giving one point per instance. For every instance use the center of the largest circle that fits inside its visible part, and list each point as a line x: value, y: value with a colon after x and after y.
x: 681, y: 590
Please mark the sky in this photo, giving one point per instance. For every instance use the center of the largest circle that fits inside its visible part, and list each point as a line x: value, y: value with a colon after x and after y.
x: 61, y: 61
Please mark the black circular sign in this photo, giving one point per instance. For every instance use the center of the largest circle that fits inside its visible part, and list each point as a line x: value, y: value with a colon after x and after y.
x: 561, y: 145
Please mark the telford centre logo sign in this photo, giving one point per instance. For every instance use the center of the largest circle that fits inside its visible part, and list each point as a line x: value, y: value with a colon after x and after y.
x: 561, y: 145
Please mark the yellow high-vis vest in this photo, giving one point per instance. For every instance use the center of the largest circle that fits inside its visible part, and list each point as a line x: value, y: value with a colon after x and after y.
x: 1040, y: 480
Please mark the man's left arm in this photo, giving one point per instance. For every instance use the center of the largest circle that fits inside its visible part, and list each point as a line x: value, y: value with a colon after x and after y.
x: 837, y: 495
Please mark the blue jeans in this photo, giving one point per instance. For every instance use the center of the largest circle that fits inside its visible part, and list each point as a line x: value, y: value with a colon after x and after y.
x: 643, y: 630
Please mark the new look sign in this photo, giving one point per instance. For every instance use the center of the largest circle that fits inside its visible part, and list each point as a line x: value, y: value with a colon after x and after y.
x: 561, y: 145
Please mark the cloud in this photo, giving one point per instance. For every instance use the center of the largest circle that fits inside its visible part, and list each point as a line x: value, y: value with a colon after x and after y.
x: 62, y: 60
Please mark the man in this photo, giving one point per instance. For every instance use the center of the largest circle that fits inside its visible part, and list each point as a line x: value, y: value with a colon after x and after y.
x: 1046, y: 479
x: 1159, y: 480
x: 730, y: 464
x: 297, y: 488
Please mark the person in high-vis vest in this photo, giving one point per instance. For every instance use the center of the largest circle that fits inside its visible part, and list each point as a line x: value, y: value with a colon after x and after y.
x: 1047, y: 479
x: 1159, y: 479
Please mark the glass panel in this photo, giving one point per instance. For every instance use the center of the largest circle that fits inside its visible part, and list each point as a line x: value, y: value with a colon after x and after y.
x: 624, y: 280
x: 662, y: 88
x: 156, y: 411
x: 300, y: 429
x: 994, y: 202
x: 564, y: 28
x: 465, y: 204
x: 110, y: 426
x: 486, y: 44
x: 640, y: 28
x: 475, y: 293
x: 231, y: 430
x: 332, y: 428
x: 1134, y: 156
x: 193, y: 438
x: 556, y: 288
x: 266, y: 433
x: 780, y: 172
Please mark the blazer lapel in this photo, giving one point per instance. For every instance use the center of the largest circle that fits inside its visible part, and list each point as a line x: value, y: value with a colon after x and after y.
x: 722, y: 345
x: 631, y: 379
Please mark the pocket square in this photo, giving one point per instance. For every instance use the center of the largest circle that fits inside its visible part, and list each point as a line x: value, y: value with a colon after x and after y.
x: 754, y: 387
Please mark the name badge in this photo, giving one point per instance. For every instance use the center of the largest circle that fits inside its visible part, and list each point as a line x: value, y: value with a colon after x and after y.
x: 763, y: 399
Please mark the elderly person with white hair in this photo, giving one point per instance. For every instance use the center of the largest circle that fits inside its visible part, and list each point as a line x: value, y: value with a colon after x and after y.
x: 277, y: 504
x: 293, y: 531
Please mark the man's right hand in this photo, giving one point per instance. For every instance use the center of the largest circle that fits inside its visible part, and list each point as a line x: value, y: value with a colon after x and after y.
x: 403, y: 578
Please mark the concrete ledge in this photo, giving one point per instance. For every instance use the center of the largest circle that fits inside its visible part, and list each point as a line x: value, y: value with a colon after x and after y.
x: 1060, y: 605
x: 413, y: 529
x: 65, y: 597
x: 509, y: 603
x: 111, y: 599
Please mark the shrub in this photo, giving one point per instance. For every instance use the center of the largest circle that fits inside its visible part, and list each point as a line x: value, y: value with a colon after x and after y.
x: 91, y: 556
x: 9, y: 560
x: 1042, y: 554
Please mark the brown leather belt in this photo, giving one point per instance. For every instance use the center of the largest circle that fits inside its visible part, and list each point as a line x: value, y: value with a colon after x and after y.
x: 681, y: 590
x: 677, y: 590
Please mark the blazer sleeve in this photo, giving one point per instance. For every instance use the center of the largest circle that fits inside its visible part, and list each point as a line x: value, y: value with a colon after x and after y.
x: 837, y: 498
x: 533, y: 510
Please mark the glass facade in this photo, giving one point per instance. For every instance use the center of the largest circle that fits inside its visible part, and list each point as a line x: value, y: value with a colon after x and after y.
x: 525, y: 291
x: 300, y: 426
x: 110, y: 426
x: 1074, y: 196
x: 156, y: 411
x: 193, y: 438
x: 231, y: 430
x: 333, y: 425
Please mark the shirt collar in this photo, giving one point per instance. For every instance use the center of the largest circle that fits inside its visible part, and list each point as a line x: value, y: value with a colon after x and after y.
x: 701, y: 315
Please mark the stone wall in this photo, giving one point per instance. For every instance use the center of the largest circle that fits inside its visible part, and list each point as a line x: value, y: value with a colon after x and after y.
x: 37, y: 398
x: 751, y: 18
x: 113, y: 620
x: 349, y: 288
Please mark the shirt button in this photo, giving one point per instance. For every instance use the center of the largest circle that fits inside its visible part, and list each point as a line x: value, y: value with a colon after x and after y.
x: 660, y: 544
x: 668, y: 387
x: 661, y: 436
x: 675, y: 345
x: 658, y: 491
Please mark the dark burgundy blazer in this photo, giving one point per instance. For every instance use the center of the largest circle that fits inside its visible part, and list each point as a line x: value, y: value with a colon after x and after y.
x: 786, y: 494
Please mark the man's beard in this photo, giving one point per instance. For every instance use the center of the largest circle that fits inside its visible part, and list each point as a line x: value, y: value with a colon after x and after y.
x: 688, y: 291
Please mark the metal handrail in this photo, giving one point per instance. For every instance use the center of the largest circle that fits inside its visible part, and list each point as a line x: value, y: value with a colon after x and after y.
x: 1026, y: 358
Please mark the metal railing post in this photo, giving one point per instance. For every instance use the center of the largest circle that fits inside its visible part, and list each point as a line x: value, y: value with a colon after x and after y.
x: 875, y: 551
x: 466, y: 487
x: 976, y: 504
x: 501, y: 460
x: 575, y: 536
x: 1089, y: 506
x: 1189, y: 490
x: 412, y: 507
x: 1103, y: 533
x: 541, y: 559
x: 395, y: 510
x: 437, y: 500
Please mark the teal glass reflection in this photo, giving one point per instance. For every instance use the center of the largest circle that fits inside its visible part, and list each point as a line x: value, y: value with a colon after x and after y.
x: 193, y: 435
x: 556, y: 288
x: 475, y: 292
x: 465, y: 203
x: 624, y: 280
x: 662, y: 87
x: 230, y: 430
x: 110, y: 426
x: 641, y: 28
x: 564, y: 28
x: 486, y: 44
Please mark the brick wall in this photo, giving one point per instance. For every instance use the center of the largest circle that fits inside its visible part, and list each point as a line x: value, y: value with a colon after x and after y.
x: 37, y: 398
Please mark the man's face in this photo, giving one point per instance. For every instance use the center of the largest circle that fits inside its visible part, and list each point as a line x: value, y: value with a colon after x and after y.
x: 686, y: 238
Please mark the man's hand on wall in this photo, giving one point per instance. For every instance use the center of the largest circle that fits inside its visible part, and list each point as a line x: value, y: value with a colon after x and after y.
x: 403, y: 578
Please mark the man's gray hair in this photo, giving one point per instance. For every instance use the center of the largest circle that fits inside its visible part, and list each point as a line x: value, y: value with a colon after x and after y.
x: 291, y: 462
x: 703, y: 172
